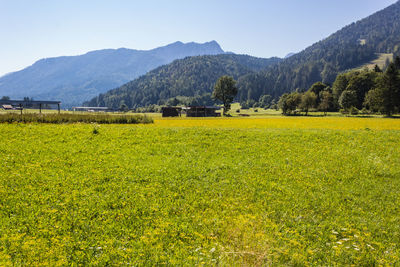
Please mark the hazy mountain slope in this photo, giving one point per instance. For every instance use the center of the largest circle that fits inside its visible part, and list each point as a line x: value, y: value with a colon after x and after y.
x: 74, y: 79
x: 192, y: 76
x: 289, y: 55
x: 352, y: 46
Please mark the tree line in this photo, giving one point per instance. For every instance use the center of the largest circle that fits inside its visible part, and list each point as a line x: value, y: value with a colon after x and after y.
x: 369, y: 91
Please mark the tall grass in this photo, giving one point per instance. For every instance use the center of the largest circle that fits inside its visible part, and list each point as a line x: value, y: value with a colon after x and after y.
x: 211, y: 192
x: 72, y: 118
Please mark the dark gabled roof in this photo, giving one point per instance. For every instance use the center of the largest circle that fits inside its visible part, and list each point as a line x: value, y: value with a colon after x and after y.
x: 176, y: 108
x: 100, y: 108
x: 203, y: 107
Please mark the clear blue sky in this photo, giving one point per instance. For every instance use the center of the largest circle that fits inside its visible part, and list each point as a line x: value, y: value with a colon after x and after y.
x: 34, y: 29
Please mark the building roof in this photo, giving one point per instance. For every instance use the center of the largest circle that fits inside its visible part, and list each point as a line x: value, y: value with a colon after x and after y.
x: 23, y: 102
x: 7, y: 106
x: 202, y: 107
x: 177, y: 108
x: 100, y: 108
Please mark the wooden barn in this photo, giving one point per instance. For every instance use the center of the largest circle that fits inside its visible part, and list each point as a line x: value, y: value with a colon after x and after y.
x: 171, y: 111
x: 202, y: 111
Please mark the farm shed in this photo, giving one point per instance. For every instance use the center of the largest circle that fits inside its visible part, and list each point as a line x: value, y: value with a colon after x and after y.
x: 202, y: 111
x: 171, y: 111
x: 7, y: 107
x: 91, y: 109
x: 39, y: 104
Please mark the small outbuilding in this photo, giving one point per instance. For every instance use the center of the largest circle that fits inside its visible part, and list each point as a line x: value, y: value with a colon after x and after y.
x: 8, y: 107
x: 21, y: 104
x: 91, y: 109
x: 202, y: 111
x: 171, y: 111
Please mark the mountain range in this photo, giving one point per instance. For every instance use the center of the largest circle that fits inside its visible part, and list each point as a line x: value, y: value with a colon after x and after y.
x: 142, y: 78
x: 74, y: 79
x: 351, y: 47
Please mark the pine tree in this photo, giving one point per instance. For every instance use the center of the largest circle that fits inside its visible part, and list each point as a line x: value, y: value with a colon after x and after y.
x: 377, y: 69
x: 397, y: 62
x: 389, y: 87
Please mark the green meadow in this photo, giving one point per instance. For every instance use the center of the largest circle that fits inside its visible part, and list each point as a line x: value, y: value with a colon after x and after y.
x: 160, y: 194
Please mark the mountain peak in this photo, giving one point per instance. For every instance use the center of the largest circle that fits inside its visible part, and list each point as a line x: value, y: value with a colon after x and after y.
x: 193, y: 45
x: 170, y: 51
x: 177, y: 43
x: 214, y: 44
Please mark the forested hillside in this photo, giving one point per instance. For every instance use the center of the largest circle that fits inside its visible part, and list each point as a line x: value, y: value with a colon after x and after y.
x: 192, y: 76
x: 350, y: 47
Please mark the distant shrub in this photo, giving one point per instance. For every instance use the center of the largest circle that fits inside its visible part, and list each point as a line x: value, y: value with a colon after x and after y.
x: 72, y: 118
x: 365, y: 111
x: 95, y: 129
x: 354, y: 111
x: 238, y: 110
x: 255, y: 110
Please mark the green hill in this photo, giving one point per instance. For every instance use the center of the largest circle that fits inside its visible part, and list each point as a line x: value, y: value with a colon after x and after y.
x: 353, y: 46
x: 192, y: 76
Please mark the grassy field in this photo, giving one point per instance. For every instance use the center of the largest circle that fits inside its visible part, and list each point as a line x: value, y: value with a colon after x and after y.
x: 251, y: 112
x: 227, y: 191
x: 380, y: 61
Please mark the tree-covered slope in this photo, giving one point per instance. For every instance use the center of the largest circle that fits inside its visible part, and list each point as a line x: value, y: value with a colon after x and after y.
x: 74, y: 79
x: 352, y: 46
x: 192, y: 76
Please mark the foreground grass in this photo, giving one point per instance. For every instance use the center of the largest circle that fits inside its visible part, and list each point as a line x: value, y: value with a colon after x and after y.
x: 280, y: 122
x: 102, y: 118
x: 210, y: 192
